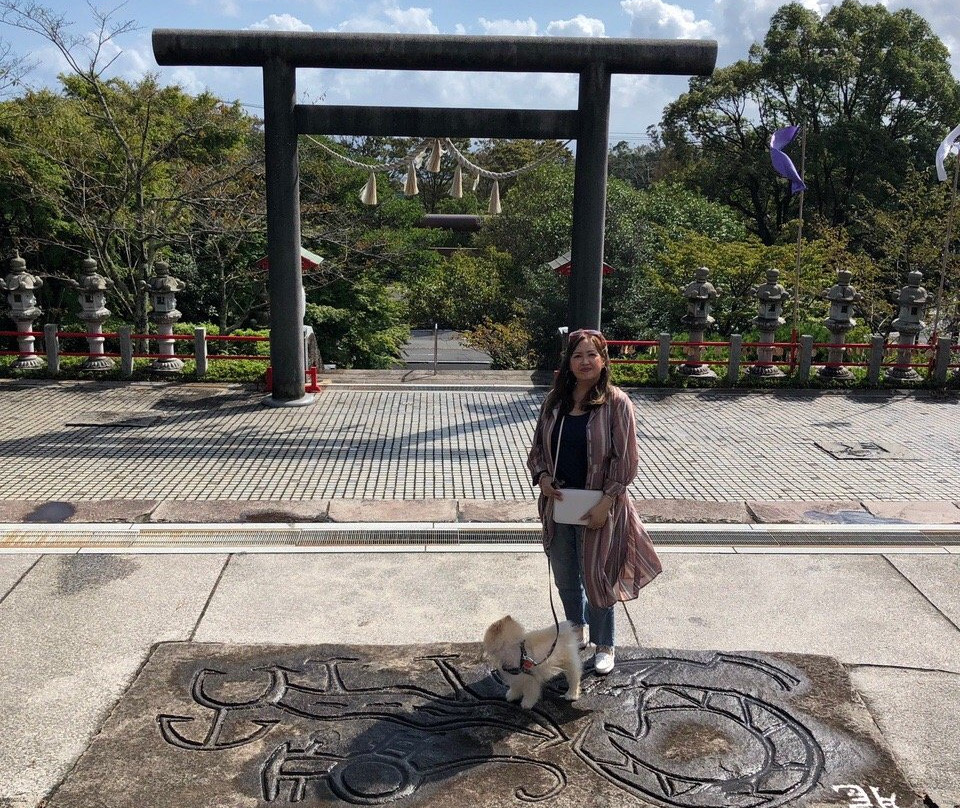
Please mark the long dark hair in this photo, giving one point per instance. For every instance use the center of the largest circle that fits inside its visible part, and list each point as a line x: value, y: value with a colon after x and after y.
x: 563, y: 384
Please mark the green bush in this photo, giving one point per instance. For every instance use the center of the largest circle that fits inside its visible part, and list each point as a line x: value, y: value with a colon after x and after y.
x: 231, y: 370
x: 508, y: 344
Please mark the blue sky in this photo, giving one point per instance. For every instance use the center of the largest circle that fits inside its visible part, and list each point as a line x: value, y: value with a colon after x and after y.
x: 637, y: 101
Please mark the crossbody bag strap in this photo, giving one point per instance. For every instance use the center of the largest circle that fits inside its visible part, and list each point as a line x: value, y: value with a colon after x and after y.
x: 556, y: 458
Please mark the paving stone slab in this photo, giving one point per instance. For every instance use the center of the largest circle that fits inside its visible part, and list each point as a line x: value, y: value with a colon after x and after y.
x: 232, y: 510
x: 917, y: 714
x: 12, y: 568
x: 58, y: 511
x: 428, y: 725
x: 938, y: 513
x: 73, y: 634
x: 786, y: 512
x: 486, y: 510
x: 692, y: 511
x: 858, y: 608
x: 412, y: 510
x: 456, y: 438
x: 938, y: 582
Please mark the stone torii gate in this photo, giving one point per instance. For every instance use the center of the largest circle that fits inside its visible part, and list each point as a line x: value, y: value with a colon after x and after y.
x: 280, y: 53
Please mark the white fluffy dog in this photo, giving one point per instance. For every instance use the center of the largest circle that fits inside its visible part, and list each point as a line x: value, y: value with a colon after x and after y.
x: 527, y: 661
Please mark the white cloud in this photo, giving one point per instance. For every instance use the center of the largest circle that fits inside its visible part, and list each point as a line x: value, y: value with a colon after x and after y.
x: 527, y: 27
x: 412, y: 20
x: 388, y: 17
x: 578, y: 26
x: 657, y: 19
x: 280, y: 22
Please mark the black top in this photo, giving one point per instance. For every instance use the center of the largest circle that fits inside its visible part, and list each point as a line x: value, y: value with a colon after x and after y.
x: 572, y: 468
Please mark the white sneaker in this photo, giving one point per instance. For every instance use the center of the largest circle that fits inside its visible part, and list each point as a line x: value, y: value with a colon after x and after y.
x: 603, y: 661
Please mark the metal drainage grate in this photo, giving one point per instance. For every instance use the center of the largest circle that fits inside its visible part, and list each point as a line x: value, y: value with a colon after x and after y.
x: 432, y: 538
x: 673, y: 537
x: 63, y: 538
x: 138, y: 538
x: 819, y: 538
x: 951, y: 537
x: 216, y: 538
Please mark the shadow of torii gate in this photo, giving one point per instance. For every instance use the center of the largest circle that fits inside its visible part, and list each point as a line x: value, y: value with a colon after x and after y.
x: 279, y: 54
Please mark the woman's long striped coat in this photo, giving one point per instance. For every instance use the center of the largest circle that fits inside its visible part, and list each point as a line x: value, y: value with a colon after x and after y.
x: 619, y: 558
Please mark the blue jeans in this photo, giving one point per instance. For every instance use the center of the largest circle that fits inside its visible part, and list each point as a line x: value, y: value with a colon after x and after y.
x: 566, y: 559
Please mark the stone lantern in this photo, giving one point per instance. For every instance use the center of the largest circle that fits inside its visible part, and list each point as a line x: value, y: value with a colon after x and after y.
x: 771, y: 297
x: 92, y: 288
x: 20, y: 287
x: 843, y: 297
x: 700, y: 294
x: 162, y: 288
x: 913, y: 299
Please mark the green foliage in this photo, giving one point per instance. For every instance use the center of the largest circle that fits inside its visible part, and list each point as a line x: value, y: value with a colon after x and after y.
x: 507, y: 343
x: 639, y: 166
x: 213, y: 329
x: 121, y: 171
x: 361, y: 325
x: 233, y: 370
x: 634, y: 375
x: 908, y: 232
x: 461, y: 291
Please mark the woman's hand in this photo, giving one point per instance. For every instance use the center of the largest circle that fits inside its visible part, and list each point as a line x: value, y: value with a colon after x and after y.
x: 597, y: 516
x: 547, y: 489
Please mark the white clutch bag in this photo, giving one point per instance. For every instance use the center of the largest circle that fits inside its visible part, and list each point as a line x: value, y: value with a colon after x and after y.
x: 575, y: 503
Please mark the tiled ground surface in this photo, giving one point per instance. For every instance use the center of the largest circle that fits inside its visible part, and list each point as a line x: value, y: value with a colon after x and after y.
x: 221, y: 443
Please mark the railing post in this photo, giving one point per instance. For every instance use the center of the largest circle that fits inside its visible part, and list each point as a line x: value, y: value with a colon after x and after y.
x: 877, y: 350
x: 436, y: 347
x: 663, y: 357
x: 52, y: 345
x: 200, y: 350
x: 736, y: 351
x: 806, y: 357
x: 942, y: 361
x: 126, y: 351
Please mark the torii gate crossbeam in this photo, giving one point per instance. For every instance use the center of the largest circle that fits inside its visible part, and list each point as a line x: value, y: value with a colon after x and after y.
x: 279, y: 53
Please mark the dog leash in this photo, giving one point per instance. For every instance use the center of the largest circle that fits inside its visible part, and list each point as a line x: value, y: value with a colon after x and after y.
x: 633, y: 628
x: 528, y: 663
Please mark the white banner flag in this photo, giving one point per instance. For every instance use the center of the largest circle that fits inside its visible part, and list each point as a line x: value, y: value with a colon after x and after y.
x: 944, y: 150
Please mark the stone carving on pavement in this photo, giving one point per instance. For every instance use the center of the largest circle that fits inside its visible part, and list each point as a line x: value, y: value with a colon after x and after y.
x: 415, y: 740
x: 859, y: 798
x: 683, y: 740
x: 708, y: 730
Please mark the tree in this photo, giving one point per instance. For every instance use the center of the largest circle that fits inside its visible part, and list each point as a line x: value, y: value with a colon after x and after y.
x: 535, y: 227
x: 125, y: 166
x: 907, y: 233
x: 641, y: 165
x: 872, y: 88
x: 462, y: 290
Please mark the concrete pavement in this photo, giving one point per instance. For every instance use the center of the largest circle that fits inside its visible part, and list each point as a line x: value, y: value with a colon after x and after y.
x: 855, y: 558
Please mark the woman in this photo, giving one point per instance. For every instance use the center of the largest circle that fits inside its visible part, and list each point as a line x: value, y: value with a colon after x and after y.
x: 611, y: 557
